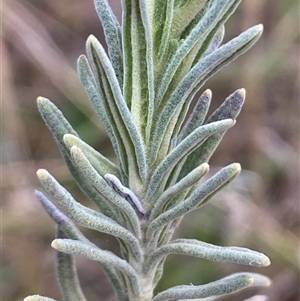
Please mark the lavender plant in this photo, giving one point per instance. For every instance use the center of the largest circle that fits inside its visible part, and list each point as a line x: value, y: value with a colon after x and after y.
x: 158, y: 58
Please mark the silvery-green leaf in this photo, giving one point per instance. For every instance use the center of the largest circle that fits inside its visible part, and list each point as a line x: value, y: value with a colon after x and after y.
x: 116, y: 106
x: 126, y: 193
x: 198, y: 34
x: 66, y: 225
x: 104, y: 104
x: 192, y: 178
x: 207, y: 251
x: 199, y: 197
x: 227, y: 285
x: 104, y: 189
x: 105, y: 207
x: 183, y: 149
x: 54, y: 119
x: 67, y: 275
x: 163, y: 18
x: 187, y: 14
x: 184, y: 18
x: 216, y: 41
x: 76, y: 247
x: 59, y: 126
x: 113, y: 36
x: 85, y: 216
x: 100, y: 163
x: 96, y: 96
x: 203, y: 50
x: 197, y: 76
x: 139, y: 81
x: 127, y: 51
x: 230, y: 108
x: 197, y: 116
x: 65, y: 200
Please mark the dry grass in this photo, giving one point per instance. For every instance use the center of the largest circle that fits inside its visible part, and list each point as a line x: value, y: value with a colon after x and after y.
x: 41, y: 41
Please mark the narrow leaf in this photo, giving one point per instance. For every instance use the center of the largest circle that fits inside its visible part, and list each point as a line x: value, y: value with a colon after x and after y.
x: 113, y: 37
x: 183, y: 149
x: 82, y: 181
x: 54, y: 119
x: 96, y: 96
x: 207, y: 251
x: 199, y: 32
x: 197, y: 116
x: 64, y: 223
x: 230, y: 108
x: 85, y: 217
x: 198, y: 198
x: 192, y: 178
x: 197, y: 76
x: 216, y: 41
x: 76, y: 247
x: 100, y: 163
x: 203, y: 48
x: 227, y: 285
x: 117, y: 105
x: 64, y: 199
x: 162, y: 35
x: 145, y: 70
x: 67, y: 275
x: 127, y: 50
x: 186, y: 16
x: 59, y: 126
x: 126, y: 193
x: 104, y: 189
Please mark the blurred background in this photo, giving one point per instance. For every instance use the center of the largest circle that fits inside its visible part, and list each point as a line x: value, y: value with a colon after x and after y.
x: 41, y: 41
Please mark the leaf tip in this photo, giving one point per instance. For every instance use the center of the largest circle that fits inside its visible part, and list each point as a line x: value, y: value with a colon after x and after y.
x: 69, y: 140
x: 261, y: 280
x: 91, y: 40
x: 55, y: 244
x: 260, y: 27
x: 75, y: 151
x: 208, y: 93
x: 266, y: 261
x: 42, y: 101
x: 205, y: 166
x: 242, y: 92
x: 236, y: 167
x: 258, y: 30
x: 42, y: 174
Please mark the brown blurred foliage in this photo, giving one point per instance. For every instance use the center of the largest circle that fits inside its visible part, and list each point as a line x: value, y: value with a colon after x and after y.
x: 40, y: 42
